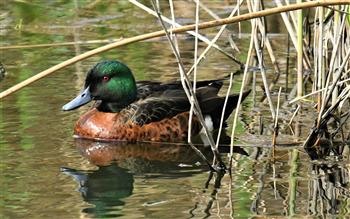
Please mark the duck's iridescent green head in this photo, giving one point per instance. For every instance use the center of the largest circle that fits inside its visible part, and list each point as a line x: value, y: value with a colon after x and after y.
x: 109, y: 81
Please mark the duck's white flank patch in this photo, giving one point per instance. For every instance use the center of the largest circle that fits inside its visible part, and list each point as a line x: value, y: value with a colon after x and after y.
x: 209, y: 123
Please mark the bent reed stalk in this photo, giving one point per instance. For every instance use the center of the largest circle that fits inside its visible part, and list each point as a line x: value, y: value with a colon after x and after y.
x: 142, y: 37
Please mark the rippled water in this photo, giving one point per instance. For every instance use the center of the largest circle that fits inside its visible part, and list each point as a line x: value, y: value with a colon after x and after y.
x: 46, y: 173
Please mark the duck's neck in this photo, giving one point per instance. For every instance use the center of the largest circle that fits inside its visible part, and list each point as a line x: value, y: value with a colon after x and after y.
x: 111, y: 107
x: 119, y: 102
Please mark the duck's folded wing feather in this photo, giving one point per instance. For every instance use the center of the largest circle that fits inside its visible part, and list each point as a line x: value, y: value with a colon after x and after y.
x: 151, y: 88
x: 155, y: 109
x: 169, y: 103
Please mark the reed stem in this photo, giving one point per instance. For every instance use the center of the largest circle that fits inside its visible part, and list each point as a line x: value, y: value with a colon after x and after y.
x: 300, y: 52
x: 138, y: 38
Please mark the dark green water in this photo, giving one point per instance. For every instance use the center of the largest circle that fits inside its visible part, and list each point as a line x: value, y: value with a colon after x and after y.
x: 45, y: 173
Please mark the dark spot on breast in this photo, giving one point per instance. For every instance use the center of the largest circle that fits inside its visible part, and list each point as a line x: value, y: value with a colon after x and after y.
x: 182, y: 120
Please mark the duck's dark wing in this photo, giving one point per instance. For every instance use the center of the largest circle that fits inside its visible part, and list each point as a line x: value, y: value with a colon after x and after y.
x: 156, y: 108
x: 169, y: 103
x: 146, y: 88
x: 149, y: 88
x: 160, y: 104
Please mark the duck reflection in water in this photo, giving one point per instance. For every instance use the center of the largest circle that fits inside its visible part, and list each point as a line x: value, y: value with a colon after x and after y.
x: 106, y: 187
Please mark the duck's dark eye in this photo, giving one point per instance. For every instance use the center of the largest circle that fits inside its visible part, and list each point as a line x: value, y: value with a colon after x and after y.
x: 105, y: 78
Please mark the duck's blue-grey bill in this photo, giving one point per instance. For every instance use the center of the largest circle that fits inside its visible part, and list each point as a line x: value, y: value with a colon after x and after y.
x: 83, y: 98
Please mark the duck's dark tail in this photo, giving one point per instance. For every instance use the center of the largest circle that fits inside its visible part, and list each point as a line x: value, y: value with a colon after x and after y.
x: 214, y: 106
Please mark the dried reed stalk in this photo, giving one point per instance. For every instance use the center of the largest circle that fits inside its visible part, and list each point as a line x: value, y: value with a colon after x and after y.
x: 186, y: 84
x: 203, y: 25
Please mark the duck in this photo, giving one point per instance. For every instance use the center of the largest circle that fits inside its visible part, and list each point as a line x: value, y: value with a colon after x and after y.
x: 144, y: 111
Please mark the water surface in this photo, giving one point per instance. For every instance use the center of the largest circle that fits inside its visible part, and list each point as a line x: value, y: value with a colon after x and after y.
x: 46, y: 173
